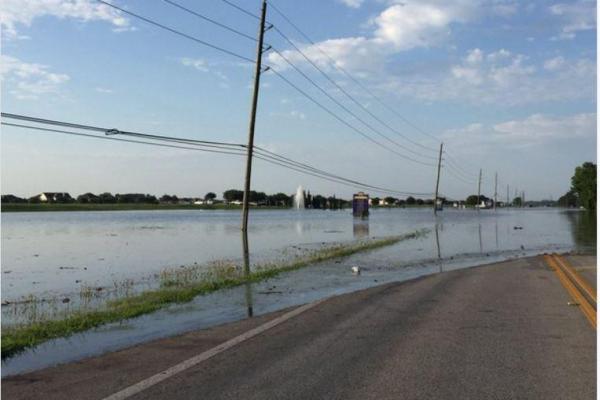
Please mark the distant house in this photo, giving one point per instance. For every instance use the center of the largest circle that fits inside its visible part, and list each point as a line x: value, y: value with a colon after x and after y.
x: 53, y: 197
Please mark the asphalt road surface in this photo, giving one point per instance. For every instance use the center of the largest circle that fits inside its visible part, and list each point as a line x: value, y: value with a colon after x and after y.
x: 503, y: 331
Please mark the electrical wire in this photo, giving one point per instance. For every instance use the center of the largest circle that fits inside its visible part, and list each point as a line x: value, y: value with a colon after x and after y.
x: 353, y: 99
x: 238, y: 150
x: 348, y: 110
x: 212, y: 21
x: 356, y: 81
x: 118, y: 140
x: 344, y: 121
x: 185, y: 35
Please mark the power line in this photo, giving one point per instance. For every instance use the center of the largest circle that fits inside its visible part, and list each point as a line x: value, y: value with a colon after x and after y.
x: 185, y: 35
x: 195, y: 39
x: 356, y: 81
x: 231, y: 4
x: 112, y: 131
x: 212, y: 21
x: 340, y: 88
x: 344, y: 121
x: 457, y: 165
x: 237, y: 149
x: 458, y: 173
x: 346, y: 108
x: 352, y: 78
x: 117, y: 139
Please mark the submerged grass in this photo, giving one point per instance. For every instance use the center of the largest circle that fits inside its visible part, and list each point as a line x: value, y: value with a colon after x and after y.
x: 177, y: 285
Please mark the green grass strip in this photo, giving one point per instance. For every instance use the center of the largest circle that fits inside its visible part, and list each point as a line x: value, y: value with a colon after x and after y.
x: 18, y: 338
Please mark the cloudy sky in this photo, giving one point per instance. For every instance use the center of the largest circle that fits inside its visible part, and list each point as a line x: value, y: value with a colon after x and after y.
x: 508, y: 86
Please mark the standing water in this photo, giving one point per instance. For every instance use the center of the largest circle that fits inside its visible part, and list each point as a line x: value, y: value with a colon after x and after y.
x: 55, y: 253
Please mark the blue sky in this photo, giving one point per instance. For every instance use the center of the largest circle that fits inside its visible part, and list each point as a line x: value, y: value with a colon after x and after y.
x: 508, y: 86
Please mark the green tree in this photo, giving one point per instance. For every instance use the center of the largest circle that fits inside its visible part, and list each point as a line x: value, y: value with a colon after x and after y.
x: 390, y: 200
x: 583, y: 183
x: 233, y: 195
x: 410, y: 200
x: 569, y: 199
x: 517, y: 202
x: 210, y: 196
x: 472, y: 200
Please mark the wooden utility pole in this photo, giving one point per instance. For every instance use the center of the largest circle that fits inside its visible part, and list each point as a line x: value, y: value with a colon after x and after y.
x: 479, y: 191
x: 437, y: 183
x: 507, y: 195
x: 250, y: 148
x: 495, y: 190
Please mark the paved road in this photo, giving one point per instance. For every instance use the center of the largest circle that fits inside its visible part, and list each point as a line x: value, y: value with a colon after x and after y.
x: 585, y: 266
x: 502, y: 331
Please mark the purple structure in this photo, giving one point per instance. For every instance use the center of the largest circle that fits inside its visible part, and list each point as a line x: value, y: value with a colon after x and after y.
x: 360, y: 205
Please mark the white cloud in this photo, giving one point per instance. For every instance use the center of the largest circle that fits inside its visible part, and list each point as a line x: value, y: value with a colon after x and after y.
x: 498, y: 55
x: 103, y: 90
x: 20, y: 12
x: 536, y: 129
x: 554, y: 64
x: 474, y: 56
x: 28, y: 80
x: 297, y: 114
x: 577, y: 16
x: 202, y: 66
x: 400, y: 27
x: 196, y: 63
x: 352, y: 3
x: 500, y: 78
x: 539, y: 127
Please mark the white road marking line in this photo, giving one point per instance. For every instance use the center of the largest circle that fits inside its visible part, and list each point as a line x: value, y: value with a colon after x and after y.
x: 190, y: 362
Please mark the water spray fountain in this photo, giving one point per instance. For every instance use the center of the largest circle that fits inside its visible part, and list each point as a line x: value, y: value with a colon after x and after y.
x: 299, y: 199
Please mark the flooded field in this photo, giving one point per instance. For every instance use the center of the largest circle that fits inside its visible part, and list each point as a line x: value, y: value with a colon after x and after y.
x: 53, y: 254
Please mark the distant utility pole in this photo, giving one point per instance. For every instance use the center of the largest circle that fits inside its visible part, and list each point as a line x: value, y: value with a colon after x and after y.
x: 495, y: 190
x: 523, y: 198
x: 479, y: 191
x: 437, y: 183
x: 507, y: 195
x: 257, y: 72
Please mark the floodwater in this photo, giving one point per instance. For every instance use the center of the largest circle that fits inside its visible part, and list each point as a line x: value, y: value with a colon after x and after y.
x: 49, y: 254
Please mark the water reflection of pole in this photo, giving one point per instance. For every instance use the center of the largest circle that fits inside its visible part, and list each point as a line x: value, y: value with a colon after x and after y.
x: 480, y: 243
x: 248, y: 285
x: 437, y: 243
x: 497, y: 247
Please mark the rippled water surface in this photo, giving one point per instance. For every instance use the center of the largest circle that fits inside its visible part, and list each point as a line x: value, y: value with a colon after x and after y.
x: 53, y: 252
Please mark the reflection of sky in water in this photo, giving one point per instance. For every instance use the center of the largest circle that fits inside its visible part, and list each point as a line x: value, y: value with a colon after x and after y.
x: 463, y: 239
x: 49, y: 252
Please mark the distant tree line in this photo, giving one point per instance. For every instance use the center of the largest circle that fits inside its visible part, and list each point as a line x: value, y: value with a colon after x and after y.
x: 86, y: 198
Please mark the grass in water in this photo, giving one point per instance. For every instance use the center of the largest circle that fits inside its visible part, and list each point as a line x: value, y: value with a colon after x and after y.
x: 177, y: 285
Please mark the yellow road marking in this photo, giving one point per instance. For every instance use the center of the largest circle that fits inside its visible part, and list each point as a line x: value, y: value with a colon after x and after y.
x: 576, y: 278
x: 585, y: 307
